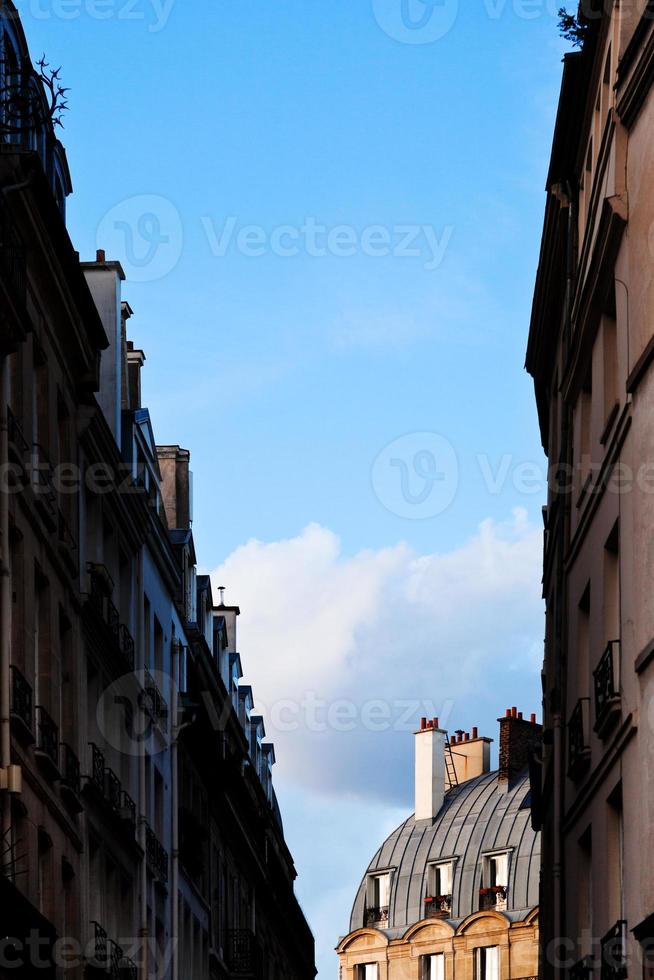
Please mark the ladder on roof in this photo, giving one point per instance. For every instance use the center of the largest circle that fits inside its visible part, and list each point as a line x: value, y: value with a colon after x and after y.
x: 450, y: 768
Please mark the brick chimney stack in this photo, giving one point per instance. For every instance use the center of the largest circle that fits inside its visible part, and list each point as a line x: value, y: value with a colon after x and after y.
x: 517, y: 738
x: 176, y: 486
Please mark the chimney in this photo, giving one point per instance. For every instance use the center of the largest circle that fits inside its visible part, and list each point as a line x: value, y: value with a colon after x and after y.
x: 517, y: 738
x: 104, y: 280
x: 471, y: 755
x: 229, y: 613
x: 430, y: 769
x: 135, y: 362
x: 176, y: 488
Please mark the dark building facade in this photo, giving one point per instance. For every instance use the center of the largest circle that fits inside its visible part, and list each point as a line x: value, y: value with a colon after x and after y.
x: 590, y: 353
x: 140, y: 832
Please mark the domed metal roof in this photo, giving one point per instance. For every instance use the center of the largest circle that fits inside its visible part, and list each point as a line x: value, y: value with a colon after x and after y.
x: 477, y: 818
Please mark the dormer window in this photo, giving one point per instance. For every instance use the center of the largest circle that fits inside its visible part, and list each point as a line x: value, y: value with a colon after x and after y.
x: 495, y: 881
x: 438, y: 900
x: 378, y: 899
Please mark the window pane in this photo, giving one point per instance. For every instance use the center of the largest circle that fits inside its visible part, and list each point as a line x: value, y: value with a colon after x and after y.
x: 435, y: 967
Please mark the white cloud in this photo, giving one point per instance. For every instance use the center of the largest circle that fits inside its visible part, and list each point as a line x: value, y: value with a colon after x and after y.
x: 346, y: 652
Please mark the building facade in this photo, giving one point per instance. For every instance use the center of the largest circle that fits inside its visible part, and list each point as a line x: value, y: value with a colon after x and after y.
x: 590, y: 351
x: 140, y: 835
x: 452, y: 894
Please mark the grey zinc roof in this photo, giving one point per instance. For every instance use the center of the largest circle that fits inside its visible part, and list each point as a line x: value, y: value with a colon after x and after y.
x: 476, y: 818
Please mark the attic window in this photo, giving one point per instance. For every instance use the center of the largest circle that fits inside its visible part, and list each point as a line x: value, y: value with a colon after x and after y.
x: 378, y: 899
x: 496, y: 870
x: 440, y: 879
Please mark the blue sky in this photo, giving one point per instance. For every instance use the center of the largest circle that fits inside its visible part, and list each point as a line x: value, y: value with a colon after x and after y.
x: 288, y: 376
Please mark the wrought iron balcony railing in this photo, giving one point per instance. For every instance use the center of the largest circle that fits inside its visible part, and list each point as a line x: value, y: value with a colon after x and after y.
x: 154, y: 702
x: 21, y: 701
x: 112, y: 789
x: 96, y: 776
x: 128, y: 808
x: 377, y: 916
x: 108, y: 957
x: 47, y: 741
x: 99, y: 598
x: 614, y: 953
x: 438, y: 906
x: 109, y: 787
x: 607, y: 687
x: 156, y: 855
x: 241, y: 953
x: 493, y: 897
x: 579, y: 739
x: 67, y: 543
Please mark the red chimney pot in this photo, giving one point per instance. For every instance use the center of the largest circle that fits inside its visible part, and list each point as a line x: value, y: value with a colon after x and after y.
x: 475, y: 733
x: 514, y: 712
x: 533, y: 719
x: 423, y: 724
x: 100, y: 255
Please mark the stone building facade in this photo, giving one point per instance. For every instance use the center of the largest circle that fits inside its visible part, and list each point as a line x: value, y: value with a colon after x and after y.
x: 590, y: 351
x: 452, y: 894
x: 140, y: 835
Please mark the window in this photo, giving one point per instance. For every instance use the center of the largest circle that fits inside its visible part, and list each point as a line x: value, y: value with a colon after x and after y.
x: 487, y: 963
x: 433, y: 967
x: 612, y: 585
x: 380, y: 893
x: 378, y: 900
x: 367, y: 971
x: 496, y: 870
x: 440, y: 879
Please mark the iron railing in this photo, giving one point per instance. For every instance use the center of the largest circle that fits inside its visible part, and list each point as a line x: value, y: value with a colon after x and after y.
x: 99, y: 598
x: 16, y: 436
x: 47, y: 736
x: 614, y: 953
x: 113, y: 789
x: 109, y: 958
x: 438, y: 906
x: 493, y: 897
x: 377, y: 916
x: 129, y: 807
x: 579, y: 738
x: 156, y: 703
x: 156, y: 855
x: 607, y: 684
x: 21, y: 699
x: 241, y: 952
x: 96, y: 775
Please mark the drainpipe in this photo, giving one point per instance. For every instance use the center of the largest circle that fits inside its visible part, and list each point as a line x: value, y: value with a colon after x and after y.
x: 174, y: 734
x: 5, y: 606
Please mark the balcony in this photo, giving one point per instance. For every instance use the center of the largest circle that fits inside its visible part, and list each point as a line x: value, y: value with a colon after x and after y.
x: 156, y: 856
x: 493, y: 898
x: 107, y: 958
x: 614, y: 953
x: 153, y: 701
x: 579, y: 739
x: 377, y: 917
x: 438, y: 906
x: 607, y: 688
x: 242, y: 954
x: 108, y: 789
x: 22, y: 712
x: 47, y: 744
x: 71, y: 779
x: 99, y: 600
x: 19, y: 447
